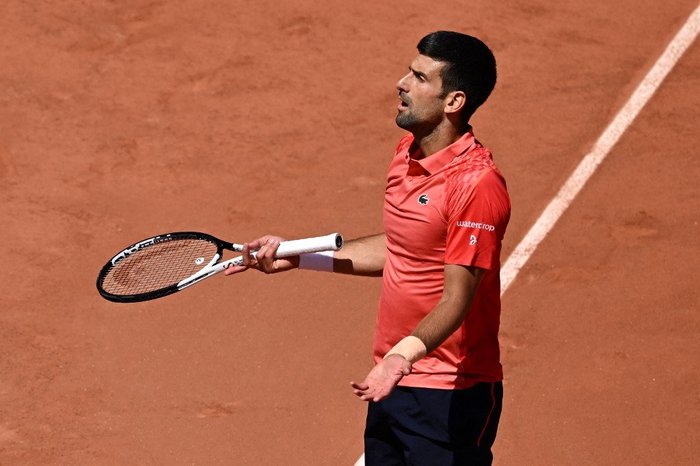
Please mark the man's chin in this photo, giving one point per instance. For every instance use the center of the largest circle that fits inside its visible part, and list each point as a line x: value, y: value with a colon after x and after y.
x: 405, y: 121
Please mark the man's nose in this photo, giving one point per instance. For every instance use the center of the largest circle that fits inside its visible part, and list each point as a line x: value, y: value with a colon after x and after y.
x: 401, y: 84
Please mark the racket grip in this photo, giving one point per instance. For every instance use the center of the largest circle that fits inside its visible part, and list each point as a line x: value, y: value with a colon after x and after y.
x: 331, y: 242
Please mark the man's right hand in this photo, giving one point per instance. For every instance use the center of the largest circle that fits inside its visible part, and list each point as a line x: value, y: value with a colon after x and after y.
x: 264, y: 259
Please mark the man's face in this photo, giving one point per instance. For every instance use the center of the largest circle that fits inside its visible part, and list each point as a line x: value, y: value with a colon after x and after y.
x: 420, y: 92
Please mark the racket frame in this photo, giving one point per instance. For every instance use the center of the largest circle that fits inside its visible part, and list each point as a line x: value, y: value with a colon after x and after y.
x: 333, y: 241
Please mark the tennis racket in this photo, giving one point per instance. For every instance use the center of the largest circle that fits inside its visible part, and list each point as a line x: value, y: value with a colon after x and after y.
x: 168, y: 263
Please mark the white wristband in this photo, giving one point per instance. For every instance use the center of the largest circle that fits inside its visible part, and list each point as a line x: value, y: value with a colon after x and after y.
x: 321, y: 261
x: 411, y: 348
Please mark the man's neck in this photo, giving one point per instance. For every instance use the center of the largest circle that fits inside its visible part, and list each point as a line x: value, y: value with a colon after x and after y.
x: 441, y: 137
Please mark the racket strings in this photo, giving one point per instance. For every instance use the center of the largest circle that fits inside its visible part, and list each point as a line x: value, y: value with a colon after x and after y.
x: 159, y: 266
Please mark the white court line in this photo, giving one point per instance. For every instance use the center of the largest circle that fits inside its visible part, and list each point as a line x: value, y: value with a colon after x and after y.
x: 590, y: 162
x: 605, y: 142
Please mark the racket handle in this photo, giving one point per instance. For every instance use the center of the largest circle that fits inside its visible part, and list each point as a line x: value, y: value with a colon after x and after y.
x: 331, y: 242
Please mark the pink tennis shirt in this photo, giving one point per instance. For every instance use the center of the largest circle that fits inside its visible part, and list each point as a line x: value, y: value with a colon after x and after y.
x: 449, y: 208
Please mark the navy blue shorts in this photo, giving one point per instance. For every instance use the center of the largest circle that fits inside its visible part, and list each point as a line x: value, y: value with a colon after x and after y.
x: 432, y: 427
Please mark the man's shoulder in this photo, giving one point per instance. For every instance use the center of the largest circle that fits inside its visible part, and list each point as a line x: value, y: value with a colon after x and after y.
x: 474, y: 166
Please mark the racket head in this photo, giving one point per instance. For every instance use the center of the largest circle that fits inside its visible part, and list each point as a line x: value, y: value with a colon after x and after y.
x: 152, y: 268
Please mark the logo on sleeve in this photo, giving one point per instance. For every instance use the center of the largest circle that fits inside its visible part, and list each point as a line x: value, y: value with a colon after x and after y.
x: 477, y: 225
x: 423, y: 199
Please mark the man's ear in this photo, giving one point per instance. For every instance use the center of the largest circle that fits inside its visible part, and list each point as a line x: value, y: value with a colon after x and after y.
x: 455, y: 101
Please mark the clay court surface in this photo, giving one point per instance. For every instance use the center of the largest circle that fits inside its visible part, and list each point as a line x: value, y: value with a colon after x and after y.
x: 121, y: 120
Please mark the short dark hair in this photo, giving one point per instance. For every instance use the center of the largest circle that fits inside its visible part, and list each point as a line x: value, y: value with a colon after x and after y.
x: 471, y: 66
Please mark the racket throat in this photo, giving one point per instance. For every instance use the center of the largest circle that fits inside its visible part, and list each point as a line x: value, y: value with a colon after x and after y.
x: 207, y: 271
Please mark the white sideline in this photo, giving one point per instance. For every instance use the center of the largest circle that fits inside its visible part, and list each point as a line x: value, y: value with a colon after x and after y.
x: 590, y: 162
x: 605, y: 142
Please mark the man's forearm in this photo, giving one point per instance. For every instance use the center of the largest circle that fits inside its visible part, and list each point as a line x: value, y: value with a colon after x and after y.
x: 461, y: 284
x: 362, y: 256
x: 442, y: 322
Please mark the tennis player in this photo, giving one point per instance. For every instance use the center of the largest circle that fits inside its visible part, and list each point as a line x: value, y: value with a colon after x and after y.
x: 435, y: 392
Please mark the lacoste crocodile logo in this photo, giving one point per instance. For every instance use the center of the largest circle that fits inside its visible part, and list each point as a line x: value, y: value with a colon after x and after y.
x: 423, y: 199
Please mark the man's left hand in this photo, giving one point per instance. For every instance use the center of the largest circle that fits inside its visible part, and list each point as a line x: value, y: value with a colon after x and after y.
x: 382, y: 379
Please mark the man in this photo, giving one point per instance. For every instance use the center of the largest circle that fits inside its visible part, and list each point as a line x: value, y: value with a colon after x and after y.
x: 435, y: 392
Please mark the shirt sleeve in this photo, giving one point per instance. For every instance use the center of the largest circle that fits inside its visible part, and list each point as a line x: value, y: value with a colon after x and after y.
x: 477, y: 215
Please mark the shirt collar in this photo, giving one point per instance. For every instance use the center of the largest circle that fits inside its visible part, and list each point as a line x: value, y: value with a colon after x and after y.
x: 441, y: 158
